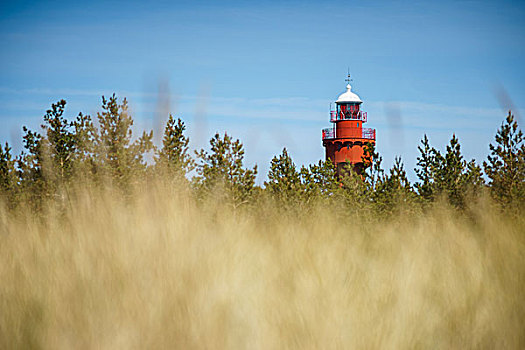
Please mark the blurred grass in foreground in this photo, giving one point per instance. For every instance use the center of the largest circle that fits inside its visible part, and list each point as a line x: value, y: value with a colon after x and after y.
x: 159, y: 271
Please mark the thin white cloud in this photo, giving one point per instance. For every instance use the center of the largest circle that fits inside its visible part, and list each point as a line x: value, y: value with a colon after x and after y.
x: 414, y: 114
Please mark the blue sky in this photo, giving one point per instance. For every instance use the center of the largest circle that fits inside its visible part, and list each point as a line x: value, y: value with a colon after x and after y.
x: 266, y: 71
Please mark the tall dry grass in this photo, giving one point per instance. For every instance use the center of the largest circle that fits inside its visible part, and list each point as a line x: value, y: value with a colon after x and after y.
x: 159, y: 271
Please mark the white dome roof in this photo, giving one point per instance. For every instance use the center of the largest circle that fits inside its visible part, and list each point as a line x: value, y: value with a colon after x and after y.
x: 348, y: 96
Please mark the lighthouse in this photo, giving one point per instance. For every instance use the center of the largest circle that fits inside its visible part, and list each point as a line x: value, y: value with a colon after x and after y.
x: 345, y: 140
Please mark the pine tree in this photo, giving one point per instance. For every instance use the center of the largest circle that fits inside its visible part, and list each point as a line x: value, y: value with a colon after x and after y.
x: 8, y: 177
x: 29, y: 165
x: 354, y: 193
x: 505, y: 166
x: 284, y: 181
x: 221, y: 174
x: 425, y: 172
x: 473, y: 179
x: 61, y: 141
x: 87, y: 155
x: 122, y: 158
x: 373, y: 173
x: 453, y: 177
x: 448, y: 174
x: 320, y: 180
x: 173, y: 157
x: 393, y: 191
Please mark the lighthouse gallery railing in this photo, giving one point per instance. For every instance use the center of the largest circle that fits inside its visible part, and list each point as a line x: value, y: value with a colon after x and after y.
x: 358, y: 133
x: 348, y: 115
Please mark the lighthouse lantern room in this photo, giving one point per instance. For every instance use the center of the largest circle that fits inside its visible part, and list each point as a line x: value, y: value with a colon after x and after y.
x: 345, y: 140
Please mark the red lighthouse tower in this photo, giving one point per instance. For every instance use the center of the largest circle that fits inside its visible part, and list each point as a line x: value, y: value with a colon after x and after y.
x: 345, y: 140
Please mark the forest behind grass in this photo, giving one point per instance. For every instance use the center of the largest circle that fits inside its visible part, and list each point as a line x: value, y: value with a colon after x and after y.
x: 107, y: 241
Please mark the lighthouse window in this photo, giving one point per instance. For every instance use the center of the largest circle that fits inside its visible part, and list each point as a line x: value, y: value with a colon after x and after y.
x: 357, y: 124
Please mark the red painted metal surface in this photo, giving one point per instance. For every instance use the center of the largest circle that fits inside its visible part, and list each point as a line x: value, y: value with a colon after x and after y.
x: 345, y: 152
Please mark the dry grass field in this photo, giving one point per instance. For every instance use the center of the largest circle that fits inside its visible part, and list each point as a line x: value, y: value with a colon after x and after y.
x: 161, y: 272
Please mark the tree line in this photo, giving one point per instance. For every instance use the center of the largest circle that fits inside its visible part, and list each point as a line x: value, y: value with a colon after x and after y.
x: 104, y: 151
